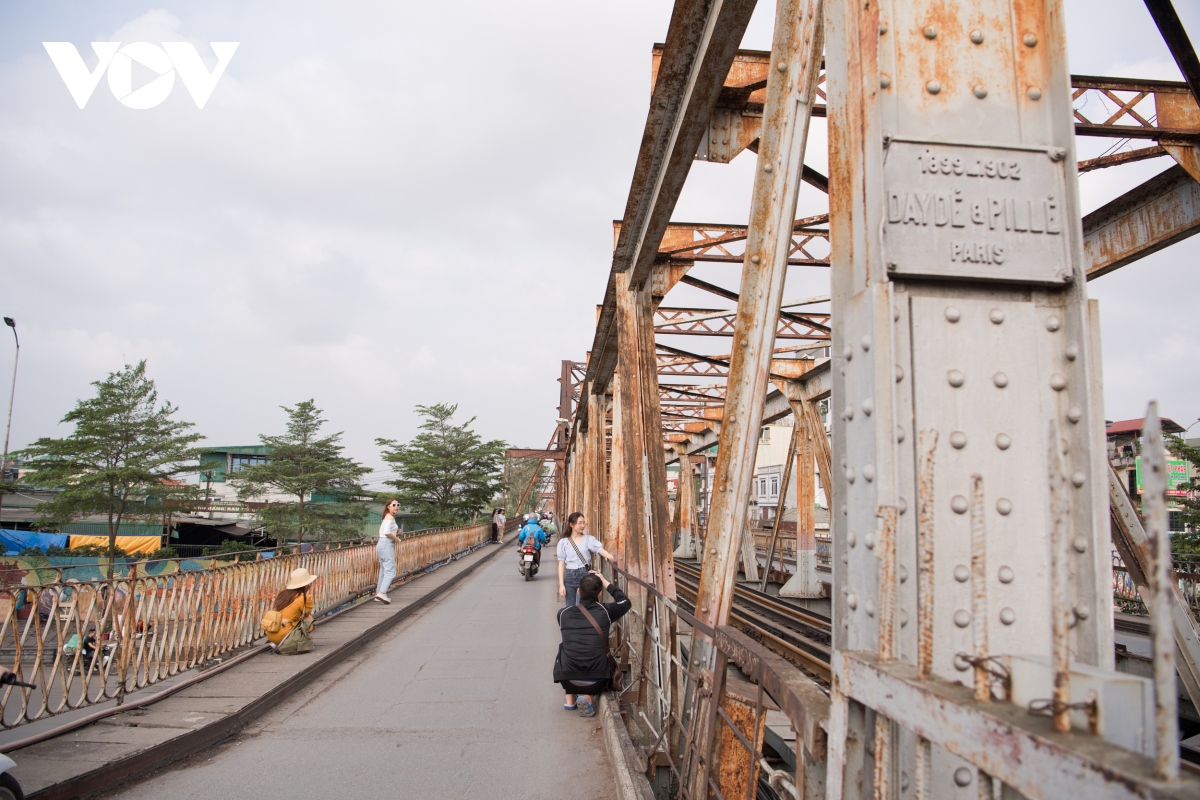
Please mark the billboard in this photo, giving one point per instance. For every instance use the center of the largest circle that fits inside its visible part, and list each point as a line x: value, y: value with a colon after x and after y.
x: 1177, y: 477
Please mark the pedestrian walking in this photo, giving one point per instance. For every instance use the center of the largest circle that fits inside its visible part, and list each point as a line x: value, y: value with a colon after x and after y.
x: 386, y: 550
x: 288, y: 624
x: 501, y: 521
x: 582, y: 667
x: 495, y: 525
x: 575, y: 549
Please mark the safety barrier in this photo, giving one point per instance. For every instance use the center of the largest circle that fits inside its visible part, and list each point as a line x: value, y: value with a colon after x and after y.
x: 1127, y: 599
x: 83, y: 643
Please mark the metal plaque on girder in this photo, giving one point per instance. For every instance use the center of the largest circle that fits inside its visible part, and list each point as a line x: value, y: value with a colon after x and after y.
x: 979, y: 213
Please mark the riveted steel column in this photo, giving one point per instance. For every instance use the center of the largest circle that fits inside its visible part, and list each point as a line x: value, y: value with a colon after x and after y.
x: 791, y: 86
x: 594, y: 460
x: 685, y: 498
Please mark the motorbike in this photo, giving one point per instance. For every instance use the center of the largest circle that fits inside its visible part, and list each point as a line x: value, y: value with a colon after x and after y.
x: 10, y: 789
x: 528, y: 564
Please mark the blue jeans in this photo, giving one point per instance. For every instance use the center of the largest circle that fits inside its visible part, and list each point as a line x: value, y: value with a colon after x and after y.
x: 571, y: 579
x: 386, y: 550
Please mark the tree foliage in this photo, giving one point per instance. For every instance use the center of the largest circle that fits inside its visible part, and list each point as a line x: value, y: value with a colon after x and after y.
x: 518, y: 474
x: 303, y: 464
x: 1189, y: 507
x: 446, y: 473
x: 125, y: 447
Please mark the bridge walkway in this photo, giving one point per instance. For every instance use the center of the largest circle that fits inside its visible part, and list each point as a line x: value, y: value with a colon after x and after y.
x: 456, y: 702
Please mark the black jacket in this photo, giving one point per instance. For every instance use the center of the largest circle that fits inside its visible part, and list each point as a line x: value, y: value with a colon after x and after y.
x: 581, y: 655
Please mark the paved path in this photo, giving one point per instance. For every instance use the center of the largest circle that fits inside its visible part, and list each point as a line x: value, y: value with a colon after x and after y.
x: 456, y: 703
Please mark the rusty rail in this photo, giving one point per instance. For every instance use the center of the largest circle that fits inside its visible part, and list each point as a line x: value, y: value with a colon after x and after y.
x: 152, y: 626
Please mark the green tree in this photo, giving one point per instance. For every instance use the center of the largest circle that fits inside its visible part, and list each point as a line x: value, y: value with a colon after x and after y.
x: 447, y: 472
x: 518, y: 474
x: 125, y: 447
x: 1189, y: 506
x: 311, y: 469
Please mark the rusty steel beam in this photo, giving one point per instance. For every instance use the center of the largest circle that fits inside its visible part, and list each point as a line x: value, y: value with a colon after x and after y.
x: 719, y: 322
x: 712, y: 288
x: 1162, y: 211
x: 1176, y: 39
x: 1126, y: 157
x: 517, y: 452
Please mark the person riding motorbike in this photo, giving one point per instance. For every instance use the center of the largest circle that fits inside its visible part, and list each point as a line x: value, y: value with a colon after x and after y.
x: 547, y: 524
x: 536, y: 534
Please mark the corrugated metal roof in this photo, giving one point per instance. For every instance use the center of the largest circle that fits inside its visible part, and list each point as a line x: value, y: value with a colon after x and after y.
x: 1135, y: 426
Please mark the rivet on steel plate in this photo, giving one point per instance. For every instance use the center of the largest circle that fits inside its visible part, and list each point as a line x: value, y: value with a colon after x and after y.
x: 899, y: 434
x: 903, y: 618
x: 1034, y: 93
x: 901, y: 506
x: 1000, y: 379
x: 869, y: 473
x: 869, y: 540
x: 1030, y: 40
x: 902, y: 571
x: 868, y: 406
x: 869, y: 607
x: 962, y: 776
x: 962, y: 618
x: 960, y: 662
x: 1072, y: 352
x: 713, y: 551
x: 981, y: 91
x: 1053, y: 323
x: 1005, y: 574
x: 977, y: 36
x: 704, y: 609
x: 958, y: 504
x: 1003, y: 441
x: 850, y: 476
x: 1078, y: 478
x: 866, y: 343
x: 899, y: 373
x: 930, y: 32
x: 848, y: 412
x: 885, y: 81
x: 1008, y: 616
x: 781, y: 66
x: 958, y: 440
x: 852, y: 601
x: 1080, y: 544
x: 1004, y: 506
x: 1081, y: 611
x: 896, y: 314
x: 955, y: 378
x: 848, y: 353
x: 851, y: 538
x: 961, y: 573
x: 768, y: 168
x: 883, y: 28
x: 745, y: 343
x: 953, y: 314
x: 756, y: 259
x: 933, y: 87
x: 1058, y: 382
x: 996, y: 316
x: 1074, y: 413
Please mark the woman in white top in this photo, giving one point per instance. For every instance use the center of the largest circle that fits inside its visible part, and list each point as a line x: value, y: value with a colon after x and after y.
x: 386, y: 550
x: 575, y: 551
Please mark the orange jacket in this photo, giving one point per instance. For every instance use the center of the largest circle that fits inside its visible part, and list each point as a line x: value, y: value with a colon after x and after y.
x: 291, y: 615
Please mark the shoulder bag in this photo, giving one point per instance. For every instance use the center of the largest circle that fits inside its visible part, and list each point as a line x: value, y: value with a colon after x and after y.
x: 616, y: 680
x: 587, y: 562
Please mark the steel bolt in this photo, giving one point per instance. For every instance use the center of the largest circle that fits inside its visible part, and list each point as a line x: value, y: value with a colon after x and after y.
x: 958, y: 504
x: 850, y: 476
x: 903, y: 620
x: 1008, y: 616
x: 1081, y: 611
x: 962, y: 574
x: 713, y: 551
x: 1030, y: 40
x: 868, y: 406
x: 930, y: 32
x: 1080, y: 544
x: 962, y: 775
x: 848, y: 353
x: 851, y: 538
x: 981, y: 91
x: 869, y: 540
x: 1003, y: 441
x: 866, y: 343
x: 962, y: 618
x: 1074, y: 413
x: 955, y: 378
x: 1000, y: 379
x: 996, y: 316
x: 781, y: 66
x: 869, y: 473
x: 1034, y: 93
x: 977, y: 36
x: 899, y: 373
x: 848, y: 413
x: 901, y: 506
x: 899, y: 434
x: 902, y: 571
x: 1006, y: 574
x: 885, y: 81
x: 1078, y: 478
x: 1053, y: 323
x: 958, y: 440
x: 1004, y: 506
x: 755, y: 259
x: 933, y: 87
x: 1058, y: 382
x: 768, y: 168
x: 1072, y: 352
x: 869, y: 607
x: 953, y: 314
x: 883, y: 28
x: 852, y: 601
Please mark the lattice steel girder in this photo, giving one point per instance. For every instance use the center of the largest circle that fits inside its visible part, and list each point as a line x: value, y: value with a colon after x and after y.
x: 693, y: 241
x: 1160, y: 212
x: 719, y: 322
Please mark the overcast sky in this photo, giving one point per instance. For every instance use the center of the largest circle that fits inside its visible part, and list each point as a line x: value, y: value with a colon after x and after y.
x: 393, y: 203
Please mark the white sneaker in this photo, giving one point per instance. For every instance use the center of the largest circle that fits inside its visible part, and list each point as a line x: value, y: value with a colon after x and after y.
x: 383, y: 598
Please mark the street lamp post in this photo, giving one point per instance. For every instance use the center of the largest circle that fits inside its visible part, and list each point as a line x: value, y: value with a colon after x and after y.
x: 12, y: 323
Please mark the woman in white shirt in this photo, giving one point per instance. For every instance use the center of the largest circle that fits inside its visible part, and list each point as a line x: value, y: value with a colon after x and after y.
x: 386, y: 550
x: 575, y: 551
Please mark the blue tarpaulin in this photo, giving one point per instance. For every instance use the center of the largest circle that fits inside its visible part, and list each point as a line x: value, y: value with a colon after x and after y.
x: 16, y: 541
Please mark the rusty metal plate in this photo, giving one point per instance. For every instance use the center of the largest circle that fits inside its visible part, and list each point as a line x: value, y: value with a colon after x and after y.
x: 979, y: 213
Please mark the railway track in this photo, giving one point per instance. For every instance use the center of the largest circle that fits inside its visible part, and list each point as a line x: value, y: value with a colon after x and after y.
x: 799, y: 635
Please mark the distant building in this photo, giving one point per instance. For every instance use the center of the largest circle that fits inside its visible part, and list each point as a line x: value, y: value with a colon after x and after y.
x: 1125, y: 455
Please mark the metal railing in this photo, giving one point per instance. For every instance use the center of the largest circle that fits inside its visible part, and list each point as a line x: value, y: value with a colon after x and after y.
x: 1126, y: 599
x: 86, y: 642
x: 710, y: 729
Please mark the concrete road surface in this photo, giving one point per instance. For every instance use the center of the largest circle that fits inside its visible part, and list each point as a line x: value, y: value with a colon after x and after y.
x: 456, y: 703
